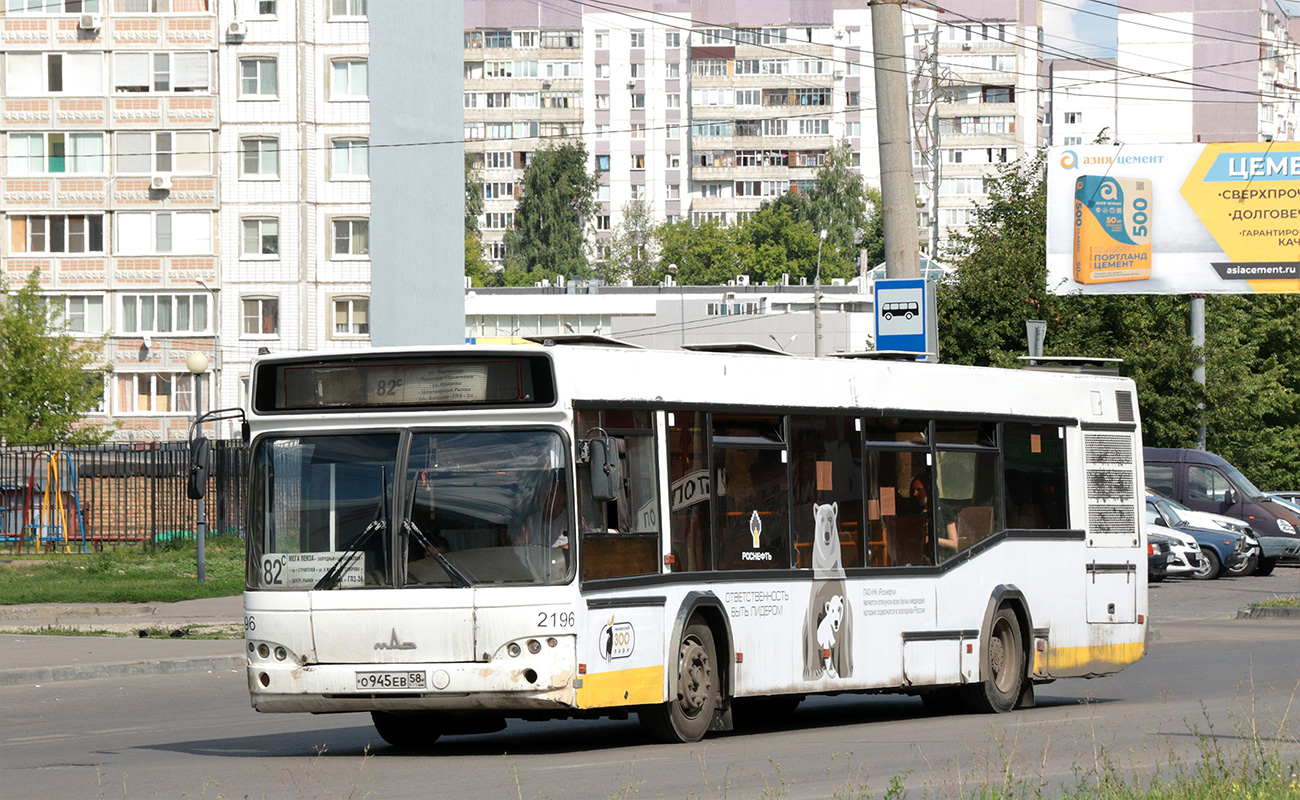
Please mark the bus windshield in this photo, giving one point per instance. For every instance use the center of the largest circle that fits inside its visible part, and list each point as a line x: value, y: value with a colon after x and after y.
x: 470, y: 508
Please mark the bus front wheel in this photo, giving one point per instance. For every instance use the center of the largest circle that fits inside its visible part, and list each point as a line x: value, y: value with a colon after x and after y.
x: 687, y: 715
x: 1004, y: 668
x: 405, y: 730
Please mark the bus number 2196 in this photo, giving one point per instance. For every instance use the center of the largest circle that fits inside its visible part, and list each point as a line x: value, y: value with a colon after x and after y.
x: 561, y: 619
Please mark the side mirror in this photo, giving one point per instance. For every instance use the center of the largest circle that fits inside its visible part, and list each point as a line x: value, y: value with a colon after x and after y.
x: 604, y: 469
x: 197, y: 485
x: 1229, y: 498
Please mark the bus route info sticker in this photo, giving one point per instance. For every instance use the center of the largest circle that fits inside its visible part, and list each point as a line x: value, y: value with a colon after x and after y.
x: 1112, y: 229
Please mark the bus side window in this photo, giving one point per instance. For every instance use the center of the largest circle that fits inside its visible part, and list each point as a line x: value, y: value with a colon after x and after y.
x: 620, y: 537
x: 1033, y: 458
x: 691, y: 495
x: 827, y: 456
x: 898, y: 508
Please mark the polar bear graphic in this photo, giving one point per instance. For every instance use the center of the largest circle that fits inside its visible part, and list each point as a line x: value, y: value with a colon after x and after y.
x: 826, y: 630
x: 828, y: 627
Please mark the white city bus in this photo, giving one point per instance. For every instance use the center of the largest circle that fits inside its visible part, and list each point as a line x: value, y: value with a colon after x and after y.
x: 450, y: 537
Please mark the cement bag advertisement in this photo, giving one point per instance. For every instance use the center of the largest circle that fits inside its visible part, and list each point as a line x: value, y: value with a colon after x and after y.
x: 1174, y: 219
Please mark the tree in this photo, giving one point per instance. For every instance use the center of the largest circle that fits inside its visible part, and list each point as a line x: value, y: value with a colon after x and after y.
x: 475, y: 267
x: 841, y: 203
x: 632, y: 247
x: 557, y: 197
x: 705, y: 255
x: 772, y: 243
x: 47, y: 381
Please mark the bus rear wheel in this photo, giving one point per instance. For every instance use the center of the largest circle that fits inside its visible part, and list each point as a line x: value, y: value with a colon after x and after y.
x: 1004, y: 668
x: 406, y: 730
x: 687, y: 715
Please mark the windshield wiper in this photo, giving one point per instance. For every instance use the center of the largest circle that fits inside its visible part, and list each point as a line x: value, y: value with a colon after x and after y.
x: 350, y: 556
x: 457, y: 577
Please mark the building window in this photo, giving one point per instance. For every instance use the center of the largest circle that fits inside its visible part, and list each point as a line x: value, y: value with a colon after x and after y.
x: 261, y: 157
x: 349, y: 80
x: 351, y: 316
x: 80, y: 313
x: 1073, y: 117
x: 602, y: 101
x: 674, y: 191
x: 56, y: 233
x: 638, y: 39
x: 261, y: 316
x: 53, y: 6
x: 673, y: 69
x: 187, y: 152
x: 164, y: 313
x: 1072, y: 140
x: 602, y: 163
x: 351, y: 238
x: 638, y: 100
x: 602, y: 222
x: 562, y: 39
x: 498, y: 159
x: 638, y: 130
x: 602, y: 70
x: 525, y: 39
x: 351, y: 158
x: 602, y: 41
x: 157, y: 393
x: 164, y: 232
x: 54, y: 73
x: 257, y: 77
x: 498, y: 190
x: 161, y: 72
x: 638, y: 161
x: 56, y: 153
x: 637, y: 71
x: 672, y: 39
x: 500, y: 39
x: 639, y: 191
x: 261, y: 237
x: 347, y: 8
x: 266, y: 8
x: 498, y: 220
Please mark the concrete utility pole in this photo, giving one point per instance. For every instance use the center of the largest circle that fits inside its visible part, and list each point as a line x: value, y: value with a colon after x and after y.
x: 893, y: 118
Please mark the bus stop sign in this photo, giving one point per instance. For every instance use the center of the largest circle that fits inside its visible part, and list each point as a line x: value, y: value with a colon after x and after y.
x: 905, y: 318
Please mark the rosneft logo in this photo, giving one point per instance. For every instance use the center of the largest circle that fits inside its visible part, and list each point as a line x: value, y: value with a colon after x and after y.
x: 1069, y: 160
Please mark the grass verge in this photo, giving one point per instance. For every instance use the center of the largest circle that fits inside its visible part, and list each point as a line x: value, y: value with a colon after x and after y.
x: 1278, y: 602
x: 125, y: 575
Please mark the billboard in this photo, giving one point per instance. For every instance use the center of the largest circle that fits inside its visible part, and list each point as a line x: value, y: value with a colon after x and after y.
x: 1174, y: 219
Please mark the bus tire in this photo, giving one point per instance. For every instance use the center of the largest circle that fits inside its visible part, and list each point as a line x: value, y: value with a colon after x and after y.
x: 406, y: 730
x: 694, y: 694
x: 1004, y: 668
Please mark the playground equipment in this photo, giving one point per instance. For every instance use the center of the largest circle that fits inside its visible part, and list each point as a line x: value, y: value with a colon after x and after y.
x: 56, y: 519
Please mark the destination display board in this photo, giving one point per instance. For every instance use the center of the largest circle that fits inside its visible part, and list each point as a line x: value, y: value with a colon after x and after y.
x: 1174, y: 219
x: 413, y: 381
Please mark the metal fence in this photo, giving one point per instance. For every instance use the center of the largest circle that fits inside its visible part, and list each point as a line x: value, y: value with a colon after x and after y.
x: 54, y: 497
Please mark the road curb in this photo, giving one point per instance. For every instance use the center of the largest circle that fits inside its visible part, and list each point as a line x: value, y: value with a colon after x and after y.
x: 1268, y: 612
x: 119, y: 669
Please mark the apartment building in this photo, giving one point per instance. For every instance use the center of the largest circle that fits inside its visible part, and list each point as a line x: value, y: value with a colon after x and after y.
x: 1222, y: 74
x: 109, y: 186
x: 700, y: 109
x: 188, y: 176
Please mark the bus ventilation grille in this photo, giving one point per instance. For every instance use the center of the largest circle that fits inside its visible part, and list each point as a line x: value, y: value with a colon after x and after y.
x: 1124, y: 406
x: 1111, y: 486
x: 1108, y: 450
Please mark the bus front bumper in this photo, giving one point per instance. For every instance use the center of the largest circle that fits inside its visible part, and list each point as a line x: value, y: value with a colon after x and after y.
x: 526, y: 682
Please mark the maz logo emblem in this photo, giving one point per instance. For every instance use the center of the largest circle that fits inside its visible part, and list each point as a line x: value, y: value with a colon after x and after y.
x: 394, y: 644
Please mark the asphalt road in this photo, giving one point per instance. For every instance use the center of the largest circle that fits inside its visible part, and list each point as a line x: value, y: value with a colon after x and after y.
x: 195, y: 736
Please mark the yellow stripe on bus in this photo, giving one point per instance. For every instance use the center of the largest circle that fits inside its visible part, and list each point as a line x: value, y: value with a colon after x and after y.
x: 1088, y: 658
x: 627, y: 687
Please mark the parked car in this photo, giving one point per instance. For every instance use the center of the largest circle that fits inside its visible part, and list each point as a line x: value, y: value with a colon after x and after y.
x: 1159, y: 556
x: 1253, y: 563
x: 1219, y: 548
x: 1205, y: 482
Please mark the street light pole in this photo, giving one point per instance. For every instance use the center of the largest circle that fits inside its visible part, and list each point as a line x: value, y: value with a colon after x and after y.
x: 197, y: 363
x: 817, y: 299
x: 681, y: 293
